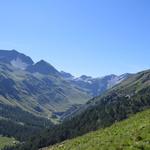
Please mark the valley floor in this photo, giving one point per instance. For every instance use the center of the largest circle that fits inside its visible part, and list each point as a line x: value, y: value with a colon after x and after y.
x: 130, y: 134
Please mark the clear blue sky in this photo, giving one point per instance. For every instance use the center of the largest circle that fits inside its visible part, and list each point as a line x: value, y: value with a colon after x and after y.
x: 92, y: 37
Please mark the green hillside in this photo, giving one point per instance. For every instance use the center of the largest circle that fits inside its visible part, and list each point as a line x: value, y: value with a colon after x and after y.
x: 131, y: 134
x: 14, y: 122
x: 6, y: 141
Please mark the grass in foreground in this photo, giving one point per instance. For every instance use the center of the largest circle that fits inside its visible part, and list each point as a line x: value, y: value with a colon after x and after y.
x: 131, y: 134
x: 6, y: 141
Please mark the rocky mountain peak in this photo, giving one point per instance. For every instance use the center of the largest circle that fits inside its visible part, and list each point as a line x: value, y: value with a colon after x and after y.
x: 16, y: 59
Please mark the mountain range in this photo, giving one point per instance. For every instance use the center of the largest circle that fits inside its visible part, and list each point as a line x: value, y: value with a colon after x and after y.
x: 95, y: 86
x: 41, y: 106
x: 42, y: 90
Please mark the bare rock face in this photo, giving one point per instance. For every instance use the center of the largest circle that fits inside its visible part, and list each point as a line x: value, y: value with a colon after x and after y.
x: 16, y: 59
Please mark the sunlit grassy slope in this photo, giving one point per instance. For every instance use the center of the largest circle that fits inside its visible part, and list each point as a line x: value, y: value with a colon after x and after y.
x: 131, y: 134
x: 6, y: 141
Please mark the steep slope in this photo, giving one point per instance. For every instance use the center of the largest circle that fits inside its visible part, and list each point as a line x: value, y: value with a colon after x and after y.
x: 120, y: 102
x: 36, y: 88
x: 15, y: 122
x: 16, y: 59
x: 133, y: 133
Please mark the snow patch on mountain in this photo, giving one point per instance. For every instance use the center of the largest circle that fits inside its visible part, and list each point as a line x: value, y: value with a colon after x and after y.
x: 19, y: 64
x: 94, y: 86
x: 86, y: 79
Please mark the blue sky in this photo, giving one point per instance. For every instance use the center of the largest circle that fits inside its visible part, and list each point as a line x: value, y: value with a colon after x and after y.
x: 92, y: 37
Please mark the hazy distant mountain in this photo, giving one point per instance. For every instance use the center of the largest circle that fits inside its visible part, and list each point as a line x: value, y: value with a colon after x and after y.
x: 66, y: 75
x: 94, y: 86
